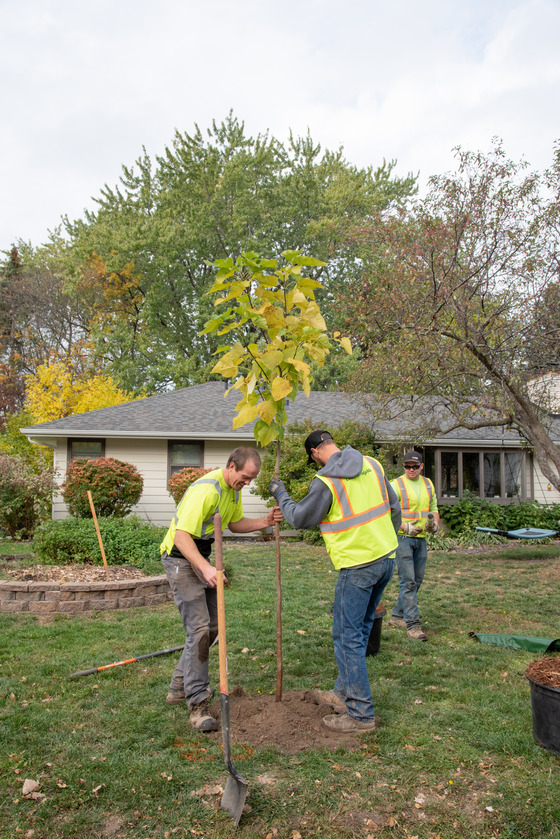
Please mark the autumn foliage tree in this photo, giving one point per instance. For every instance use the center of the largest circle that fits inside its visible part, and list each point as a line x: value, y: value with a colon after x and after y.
x: 275, y: 330
x: 56, y: 391
x: 452, y: 301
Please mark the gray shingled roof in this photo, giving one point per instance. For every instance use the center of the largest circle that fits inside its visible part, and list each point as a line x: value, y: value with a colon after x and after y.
x: 202, y: 412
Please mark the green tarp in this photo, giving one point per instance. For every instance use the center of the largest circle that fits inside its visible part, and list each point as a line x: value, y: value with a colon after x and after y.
x: 520, y: 642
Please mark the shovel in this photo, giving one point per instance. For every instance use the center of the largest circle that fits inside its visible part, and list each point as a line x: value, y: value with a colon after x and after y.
x: 235, y: 793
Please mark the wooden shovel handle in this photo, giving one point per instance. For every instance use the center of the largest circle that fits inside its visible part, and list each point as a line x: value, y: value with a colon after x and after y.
x: 222, y: 646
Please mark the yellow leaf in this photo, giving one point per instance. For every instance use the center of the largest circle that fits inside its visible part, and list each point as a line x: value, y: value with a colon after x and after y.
x: 300, y: 365
x: 273, y: 359
x: 247, y: 414
x: 306, y: 386
x: 280, y: 388
x: 267, y: 411
x: 346, y: 344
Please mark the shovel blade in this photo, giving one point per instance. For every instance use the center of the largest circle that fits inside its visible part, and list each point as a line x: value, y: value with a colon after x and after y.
x: 235, y: 793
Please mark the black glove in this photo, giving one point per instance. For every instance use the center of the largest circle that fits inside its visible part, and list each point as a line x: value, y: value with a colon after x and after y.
x: 276, y: 487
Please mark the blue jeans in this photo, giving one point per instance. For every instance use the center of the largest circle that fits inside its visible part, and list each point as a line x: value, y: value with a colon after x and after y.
x: 356, y: 597
x: 412, y: 554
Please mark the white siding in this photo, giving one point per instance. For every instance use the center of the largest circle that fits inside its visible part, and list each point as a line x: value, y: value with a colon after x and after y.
x: 150, y: 458
x: 544, y: 491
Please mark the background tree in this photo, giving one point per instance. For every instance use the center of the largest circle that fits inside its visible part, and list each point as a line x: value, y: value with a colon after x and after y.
x: 56, y: 392
x: 140, y: 265
x: 39, y: 321
x: 453, y: 302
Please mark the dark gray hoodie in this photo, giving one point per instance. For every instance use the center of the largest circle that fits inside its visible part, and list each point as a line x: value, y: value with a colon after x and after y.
x: 314, y: 507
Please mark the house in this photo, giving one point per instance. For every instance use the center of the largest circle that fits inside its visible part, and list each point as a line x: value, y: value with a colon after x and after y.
x: 193, y: 427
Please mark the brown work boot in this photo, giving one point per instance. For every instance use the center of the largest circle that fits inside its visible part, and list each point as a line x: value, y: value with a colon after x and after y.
x: 346, y: 724
x: 400, y: 622
x: 328, y: 697
x: 415, y: 632
x: 201, y: 719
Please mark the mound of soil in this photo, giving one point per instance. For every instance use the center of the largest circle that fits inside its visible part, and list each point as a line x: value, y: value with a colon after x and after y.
x: 290, y: 726
x: 545, y: 671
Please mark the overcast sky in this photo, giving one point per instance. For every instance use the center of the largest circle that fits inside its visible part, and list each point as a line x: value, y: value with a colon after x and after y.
x: 87, y: 83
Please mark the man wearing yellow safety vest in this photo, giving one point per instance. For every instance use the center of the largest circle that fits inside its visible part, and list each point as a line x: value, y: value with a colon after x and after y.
x: 185, y: 554
x: 359, y: 515
x: 420, y: 515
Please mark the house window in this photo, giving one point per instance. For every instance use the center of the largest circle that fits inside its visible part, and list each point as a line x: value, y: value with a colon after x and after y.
x: 499, y: 475
x: 85, y: 448
x: 182, y: 454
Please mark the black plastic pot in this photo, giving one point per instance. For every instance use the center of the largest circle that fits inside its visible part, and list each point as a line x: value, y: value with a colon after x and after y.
x: 375, y: 635
x: 545, y: 704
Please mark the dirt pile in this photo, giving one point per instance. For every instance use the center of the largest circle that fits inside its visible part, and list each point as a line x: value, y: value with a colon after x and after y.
x: 291, y: 726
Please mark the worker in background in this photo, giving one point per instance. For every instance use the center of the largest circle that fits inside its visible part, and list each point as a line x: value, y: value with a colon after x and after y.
x: 185, y: 552
x: 420, y: 515
x: 358, y: 514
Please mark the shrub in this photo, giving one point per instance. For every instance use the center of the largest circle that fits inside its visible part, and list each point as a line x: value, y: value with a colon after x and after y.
x: 115, y: 487
x: 181, y: 481
x: 25, y: 497
x: 471, y: 511
x: 294, y: 469
x: 126, y: 540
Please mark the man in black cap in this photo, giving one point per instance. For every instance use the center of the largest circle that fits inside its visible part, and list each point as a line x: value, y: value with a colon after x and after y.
x: 420, y: 515
x: 359, y: 515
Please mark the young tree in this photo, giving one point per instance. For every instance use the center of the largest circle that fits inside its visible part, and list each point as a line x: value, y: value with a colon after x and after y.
x: 275, y: 331
x: 453, y: 302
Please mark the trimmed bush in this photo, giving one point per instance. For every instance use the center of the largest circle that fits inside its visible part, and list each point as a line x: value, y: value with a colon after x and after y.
x: 115, y: 487
x: 25, y: 497
x: 181, y: 481
x: 125, y: 541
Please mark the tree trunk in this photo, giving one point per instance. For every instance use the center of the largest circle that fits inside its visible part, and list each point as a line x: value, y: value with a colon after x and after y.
x: 279, y: 669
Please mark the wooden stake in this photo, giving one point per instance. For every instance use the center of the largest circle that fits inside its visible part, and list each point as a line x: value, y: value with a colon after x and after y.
x: 103, y: 557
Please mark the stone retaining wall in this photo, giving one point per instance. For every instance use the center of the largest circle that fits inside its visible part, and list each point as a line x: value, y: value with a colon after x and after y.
x: 77, y: 598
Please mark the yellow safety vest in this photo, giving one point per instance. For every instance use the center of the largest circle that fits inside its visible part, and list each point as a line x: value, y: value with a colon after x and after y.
x: 409, y: 501
x: 358, y: 527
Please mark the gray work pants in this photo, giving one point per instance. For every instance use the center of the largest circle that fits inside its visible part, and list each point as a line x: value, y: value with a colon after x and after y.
x: 197, y: 604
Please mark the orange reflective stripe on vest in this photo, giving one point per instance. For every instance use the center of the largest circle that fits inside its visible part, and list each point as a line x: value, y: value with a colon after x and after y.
x: 349, y: 517
x: 405, y: 500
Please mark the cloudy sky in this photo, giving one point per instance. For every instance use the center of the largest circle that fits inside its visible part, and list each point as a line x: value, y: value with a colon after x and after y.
x: 87, y: 83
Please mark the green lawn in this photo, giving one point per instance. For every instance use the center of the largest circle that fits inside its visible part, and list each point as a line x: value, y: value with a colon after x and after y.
x: 455, y: 756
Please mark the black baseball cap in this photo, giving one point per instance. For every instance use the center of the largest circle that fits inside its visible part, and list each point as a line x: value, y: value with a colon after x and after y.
x: 314, y: 440
x: 413, y: 457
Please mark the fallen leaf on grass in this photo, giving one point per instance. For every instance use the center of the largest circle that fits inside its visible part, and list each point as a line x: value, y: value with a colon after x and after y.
x: 30, y: 786
x: 212, y: 789
x: 301, y: 632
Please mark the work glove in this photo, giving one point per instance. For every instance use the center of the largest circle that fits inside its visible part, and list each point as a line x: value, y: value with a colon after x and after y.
x: 409, y: 529
x: 276, y: 487
x: 431, y: 524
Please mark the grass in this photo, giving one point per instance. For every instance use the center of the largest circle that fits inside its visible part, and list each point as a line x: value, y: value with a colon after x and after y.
x: 455, y: 756
x: 10, y: 547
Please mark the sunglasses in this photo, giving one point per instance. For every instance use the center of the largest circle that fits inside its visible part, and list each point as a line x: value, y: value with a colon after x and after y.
x: 412, y: 465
